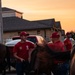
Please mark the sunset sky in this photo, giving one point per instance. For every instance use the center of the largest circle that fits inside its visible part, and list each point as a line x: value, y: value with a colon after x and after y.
x: 61, y: 10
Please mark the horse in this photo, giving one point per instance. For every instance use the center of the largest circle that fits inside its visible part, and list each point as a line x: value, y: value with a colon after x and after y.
x: 2, y: 58
x: 42, y: 59
x: 72, y: 62
x: 5, y: 59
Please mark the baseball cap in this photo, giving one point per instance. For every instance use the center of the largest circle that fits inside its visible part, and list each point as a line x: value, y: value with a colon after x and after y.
x: 55, y: 35
x: 68, y: 33
x: 23, y: 33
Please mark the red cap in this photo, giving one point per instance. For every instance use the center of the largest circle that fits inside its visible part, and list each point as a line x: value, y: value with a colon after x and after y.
x: 23, y: 33
x: 55, y: 35
x: 68, y: 33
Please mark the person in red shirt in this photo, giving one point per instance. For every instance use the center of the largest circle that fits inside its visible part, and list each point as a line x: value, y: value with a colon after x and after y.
x: 57, y: 46
x: 68, y: 46
x: 21, y: 53
x: 67, y: 42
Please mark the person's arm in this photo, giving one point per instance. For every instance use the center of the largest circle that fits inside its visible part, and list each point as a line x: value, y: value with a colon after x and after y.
x: 17, y: 57
x: 15, y: 50
x: 32, y: 47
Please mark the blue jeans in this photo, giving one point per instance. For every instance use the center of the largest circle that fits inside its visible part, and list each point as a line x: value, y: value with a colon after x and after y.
x: 22, y: 67
x: 61, y: 69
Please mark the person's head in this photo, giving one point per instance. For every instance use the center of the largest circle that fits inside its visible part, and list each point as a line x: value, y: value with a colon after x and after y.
x: 68, y: 35
x: 23, y: 35
x: 55, y: 36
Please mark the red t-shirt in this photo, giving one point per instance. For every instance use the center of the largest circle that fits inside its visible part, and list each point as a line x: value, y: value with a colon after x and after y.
x: 68, y: 44
x: 57, y: 47
x: 22, y: 49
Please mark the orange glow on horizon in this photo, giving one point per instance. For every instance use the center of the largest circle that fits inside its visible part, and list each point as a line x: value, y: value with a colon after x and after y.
x: 61, y: 10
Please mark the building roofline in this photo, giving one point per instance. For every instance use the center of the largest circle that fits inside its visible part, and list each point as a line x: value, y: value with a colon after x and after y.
x: 10, y: 9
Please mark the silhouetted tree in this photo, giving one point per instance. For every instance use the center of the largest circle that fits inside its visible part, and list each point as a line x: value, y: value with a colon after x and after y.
x: 73, y: 34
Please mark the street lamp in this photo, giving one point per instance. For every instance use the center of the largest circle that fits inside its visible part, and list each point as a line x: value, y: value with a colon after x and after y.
x: 1, y: 25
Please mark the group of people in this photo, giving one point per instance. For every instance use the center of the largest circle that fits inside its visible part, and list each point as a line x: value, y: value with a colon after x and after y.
x: 21, y: 53
x: 60, y: 67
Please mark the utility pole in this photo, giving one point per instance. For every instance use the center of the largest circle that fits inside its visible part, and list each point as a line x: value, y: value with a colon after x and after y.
x: 1, y: 25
